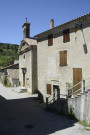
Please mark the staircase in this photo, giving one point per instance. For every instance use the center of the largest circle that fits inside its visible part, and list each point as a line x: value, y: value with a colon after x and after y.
x: 60, y: 105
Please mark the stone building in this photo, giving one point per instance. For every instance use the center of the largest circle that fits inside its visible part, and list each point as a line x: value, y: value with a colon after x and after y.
x: 56, y: 57
x: 12, y: 74
x: 28, y: 60
x: 63, y: 54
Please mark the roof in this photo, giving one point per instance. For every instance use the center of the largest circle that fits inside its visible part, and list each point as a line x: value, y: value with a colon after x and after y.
x: 26, y: 23
x: 30, y: 41
x: 13, y: 66
x: 57, y: 28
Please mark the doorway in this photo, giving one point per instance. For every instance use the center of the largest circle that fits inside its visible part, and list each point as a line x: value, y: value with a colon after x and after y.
x: 56, y: 93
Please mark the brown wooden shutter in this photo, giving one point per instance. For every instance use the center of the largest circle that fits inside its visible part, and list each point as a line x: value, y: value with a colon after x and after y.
x: 50, y: 40
x: 49, y: 89
x: 66, y: 36
x: 77, y: 77
x: 63, y: 58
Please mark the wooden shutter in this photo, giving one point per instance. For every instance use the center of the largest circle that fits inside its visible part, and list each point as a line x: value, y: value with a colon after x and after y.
x: 66, y: 36
x: 49, y: 89
x: 50, y: 40
x: 77, y: 77
x: 63, y: 58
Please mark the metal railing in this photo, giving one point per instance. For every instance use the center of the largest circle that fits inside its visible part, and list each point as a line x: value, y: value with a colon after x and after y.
x: 53, y: 98
x: 70, y: 92
x: 84, y: 84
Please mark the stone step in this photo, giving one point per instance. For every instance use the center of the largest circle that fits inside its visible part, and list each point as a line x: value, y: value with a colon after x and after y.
x: 19, y: 89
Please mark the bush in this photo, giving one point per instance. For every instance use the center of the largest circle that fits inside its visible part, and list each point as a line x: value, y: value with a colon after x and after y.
x: 71, y: 113
x: 9, y: 85
x: 4, y: 81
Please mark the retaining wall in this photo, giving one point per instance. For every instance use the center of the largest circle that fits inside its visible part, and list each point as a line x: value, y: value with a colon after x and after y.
x: 81, y: 106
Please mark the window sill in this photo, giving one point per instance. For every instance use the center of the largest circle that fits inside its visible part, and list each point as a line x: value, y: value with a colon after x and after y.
x: 62, y: 65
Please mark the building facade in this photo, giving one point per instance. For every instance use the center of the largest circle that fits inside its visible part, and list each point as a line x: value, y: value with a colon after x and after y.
x: 28, y: 61
x: 63, y: 54
x: 55, y: 59
x: 11, y: 72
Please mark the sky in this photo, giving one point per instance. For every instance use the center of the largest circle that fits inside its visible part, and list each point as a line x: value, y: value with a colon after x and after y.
x: 38, y: 13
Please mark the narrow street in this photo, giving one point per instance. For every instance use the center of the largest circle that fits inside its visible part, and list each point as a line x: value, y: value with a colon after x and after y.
x: 22, y: 114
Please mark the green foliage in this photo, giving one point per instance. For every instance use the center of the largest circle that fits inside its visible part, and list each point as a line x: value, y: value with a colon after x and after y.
x: 71, y: 113
x: 9, y: 85
x: 84, y: 123
x: 4, y: 81
x: 68, y: 87
x: 1, y: 50
x: 8, y: 53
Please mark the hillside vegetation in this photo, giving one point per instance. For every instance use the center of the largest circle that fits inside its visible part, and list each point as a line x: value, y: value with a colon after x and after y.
x: 8, y: 53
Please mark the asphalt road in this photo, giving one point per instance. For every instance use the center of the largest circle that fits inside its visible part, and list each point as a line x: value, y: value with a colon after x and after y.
x: 21, y: 114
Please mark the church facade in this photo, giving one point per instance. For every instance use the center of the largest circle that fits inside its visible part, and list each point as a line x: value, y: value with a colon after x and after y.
x: 28, y: 61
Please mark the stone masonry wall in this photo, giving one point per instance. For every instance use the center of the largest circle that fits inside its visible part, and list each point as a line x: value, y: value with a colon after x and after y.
x: 49, y: 69
x: 81, y: 106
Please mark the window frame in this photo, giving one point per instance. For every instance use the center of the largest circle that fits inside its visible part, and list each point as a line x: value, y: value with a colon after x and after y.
x: 49, y: 89
x: 66, y: 36
x: 63, y: 58
x: 50, y: 40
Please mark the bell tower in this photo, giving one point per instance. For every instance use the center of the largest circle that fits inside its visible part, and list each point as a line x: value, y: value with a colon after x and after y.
x: 26, y: 29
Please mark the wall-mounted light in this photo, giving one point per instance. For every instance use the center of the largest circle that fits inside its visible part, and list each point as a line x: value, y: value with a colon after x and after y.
x: 75, y: 29
x: 24, y: 70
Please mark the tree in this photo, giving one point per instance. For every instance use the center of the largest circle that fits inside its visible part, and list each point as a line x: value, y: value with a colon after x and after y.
x: 8, y: 47
x: 16, y: 49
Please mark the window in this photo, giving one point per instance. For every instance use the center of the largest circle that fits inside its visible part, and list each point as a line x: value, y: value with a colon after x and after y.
x: 24, y: 56
x: 23, y: 44
x: 49, y: 89
x: 63, y: 58
x: 50, y: 40
x: 66, y: 35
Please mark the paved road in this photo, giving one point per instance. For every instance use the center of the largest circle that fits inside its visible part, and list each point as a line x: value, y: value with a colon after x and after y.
x: 21, y: 114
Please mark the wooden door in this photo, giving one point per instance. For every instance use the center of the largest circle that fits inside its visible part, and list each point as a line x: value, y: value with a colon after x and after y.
x: 56, y: 93
x: 23, y: 79
x: 77, y: 77
x: 49, y: 89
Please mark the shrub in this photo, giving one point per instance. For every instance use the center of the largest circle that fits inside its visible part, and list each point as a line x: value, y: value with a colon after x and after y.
x: 71, y: 113
x: 4, y: 81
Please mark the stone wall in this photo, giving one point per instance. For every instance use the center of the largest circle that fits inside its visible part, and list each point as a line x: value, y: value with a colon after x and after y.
x: 81, y: 106
x: 28, y: 60
x: 49, y: 69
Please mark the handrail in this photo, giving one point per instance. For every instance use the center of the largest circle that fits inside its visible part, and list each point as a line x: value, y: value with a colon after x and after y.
x: 77, y: 90
x: 72, y: 92
x: 54, y: 97
x: 87, y: 85
x: 87, y: 78
x: 78, y: 84
x: 75, y: 85
x: 51, y: 94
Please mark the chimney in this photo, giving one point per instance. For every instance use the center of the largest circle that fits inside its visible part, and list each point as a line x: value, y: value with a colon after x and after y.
x: 51, y: 23
x: 26, y: 29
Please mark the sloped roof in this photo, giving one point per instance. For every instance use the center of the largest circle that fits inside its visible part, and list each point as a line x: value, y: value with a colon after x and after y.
x: 57, y: 28
x: 13, y: 66
x: 30, y: 41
